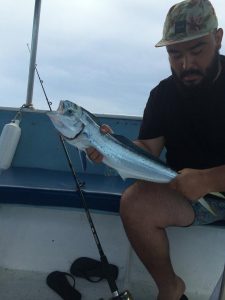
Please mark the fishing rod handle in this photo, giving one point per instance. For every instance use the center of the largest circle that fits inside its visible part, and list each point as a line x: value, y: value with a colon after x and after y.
x: 108, y: 276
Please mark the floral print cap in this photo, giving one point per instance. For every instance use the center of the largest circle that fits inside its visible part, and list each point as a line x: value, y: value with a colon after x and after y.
x: 188, y: 20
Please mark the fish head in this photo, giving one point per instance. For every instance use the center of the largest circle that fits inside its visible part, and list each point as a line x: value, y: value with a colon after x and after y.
x: 67, y: 119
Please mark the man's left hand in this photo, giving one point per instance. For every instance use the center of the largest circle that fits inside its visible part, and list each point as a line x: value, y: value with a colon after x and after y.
x: 191, y: 183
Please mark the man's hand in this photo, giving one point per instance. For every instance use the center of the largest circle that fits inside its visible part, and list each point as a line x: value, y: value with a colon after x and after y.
x: 191, y: 183
x: 92, y: 153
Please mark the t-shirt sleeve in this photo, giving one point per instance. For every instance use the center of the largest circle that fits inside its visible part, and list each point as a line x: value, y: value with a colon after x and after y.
x: 152, y: 125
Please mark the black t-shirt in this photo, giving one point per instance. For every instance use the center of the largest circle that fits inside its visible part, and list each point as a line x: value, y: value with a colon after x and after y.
x: 193, y: 128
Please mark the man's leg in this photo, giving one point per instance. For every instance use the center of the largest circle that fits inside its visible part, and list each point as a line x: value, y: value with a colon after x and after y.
x: 146, y: 210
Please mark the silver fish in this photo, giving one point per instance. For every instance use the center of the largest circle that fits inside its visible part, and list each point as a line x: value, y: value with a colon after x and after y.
x: 81, y: 129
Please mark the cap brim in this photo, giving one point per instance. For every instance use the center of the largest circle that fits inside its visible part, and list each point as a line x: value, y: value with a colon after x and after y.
x: 164, y: 42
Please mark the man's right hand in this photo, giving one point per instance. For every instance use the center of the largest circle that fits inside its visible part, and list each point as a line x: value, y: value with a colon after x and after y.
x: 94, y: 154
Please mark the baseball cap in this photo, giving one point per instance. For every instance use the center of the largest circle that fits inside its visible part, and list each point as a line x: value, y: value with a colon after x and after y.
x: 188, y: 20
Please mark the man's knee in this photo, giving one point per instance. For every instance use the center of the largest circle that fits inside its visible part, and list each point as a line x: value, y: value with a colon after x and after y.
x: 164, y: 205
x: 126, y: 200
x: 133, y: 198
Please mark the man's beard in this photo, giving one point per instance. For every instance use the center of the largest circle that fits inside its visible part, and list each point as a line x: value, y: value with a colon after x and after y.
x: 204, y: 85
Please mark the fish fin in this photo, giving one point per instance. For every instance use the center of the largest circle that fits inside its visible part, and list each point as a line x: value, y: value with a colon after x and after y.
x: 110, y: 171
x: 123, y: 175
x: 133, y: 147
x: 206, y: 205
x: 83, y: 159
x: 218, y: 194
x: 93, y: 117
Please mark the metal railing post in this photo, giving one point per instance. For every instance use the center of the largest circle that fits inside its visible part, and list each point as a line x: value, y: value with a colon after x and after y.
x: 33, y: 53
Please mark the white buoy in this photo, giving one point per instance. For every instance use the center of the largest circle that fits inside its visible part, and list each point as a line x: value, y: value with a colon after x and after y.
x: 8, y: 143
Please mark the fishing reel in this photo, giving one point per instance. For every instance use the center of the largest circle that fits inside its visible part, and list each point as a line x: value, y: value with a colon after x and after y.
x: 126, y: 295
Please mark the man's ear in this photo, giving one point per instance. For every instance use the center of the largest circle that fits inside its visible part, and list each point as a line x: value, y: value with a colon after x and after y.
x: 219, y: 37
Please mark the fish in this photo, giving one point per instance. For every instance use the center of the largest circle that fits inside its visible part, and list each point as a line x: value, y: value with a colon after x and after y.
x: 81, y: 129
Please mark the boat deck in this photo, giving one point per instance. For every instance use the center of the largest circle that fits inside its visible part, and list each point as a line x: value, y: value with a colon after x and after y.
x: 27, y: 285
x: 37, y: 240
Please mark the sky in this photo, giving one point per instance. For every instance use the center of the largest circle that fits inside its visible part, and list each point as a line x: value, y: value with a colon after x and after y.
x: 99, y: 54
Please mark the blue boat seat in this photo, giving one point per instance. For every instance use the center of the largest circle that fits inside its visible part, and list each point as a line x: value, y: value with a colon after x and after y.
x: 33, y: 186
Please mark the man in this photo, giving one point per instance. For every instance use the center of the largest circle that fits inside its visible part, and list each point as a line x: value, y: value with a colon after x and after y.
x: 186, y: 114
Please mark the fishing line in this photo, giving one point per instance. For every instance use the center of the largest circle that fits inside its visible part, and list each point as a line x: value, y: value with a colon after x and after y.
x: 18, y: 115
x: 107, y: 274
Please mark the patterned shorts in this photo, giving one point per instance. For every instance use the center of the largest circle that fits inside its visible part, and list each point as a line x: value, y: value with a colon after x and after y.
x: 203, y: 216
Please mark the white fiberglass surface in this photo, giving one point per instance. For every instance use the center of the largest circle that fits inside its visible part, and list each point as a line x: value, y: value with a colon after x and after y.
x: 38, y: 240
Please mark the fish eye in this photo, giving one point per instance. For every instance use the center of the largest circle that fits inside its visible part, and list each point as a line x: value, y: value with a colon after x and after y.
x: 69, y: 111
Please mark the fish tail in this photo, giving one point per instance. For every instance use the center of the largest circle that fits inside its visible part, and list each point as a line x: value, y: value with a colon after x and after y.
x: 206, y: 205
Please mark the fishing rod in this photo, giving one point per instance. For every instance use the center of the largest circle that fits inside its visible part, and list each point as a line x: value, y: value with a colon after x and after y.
x: 106, y: 267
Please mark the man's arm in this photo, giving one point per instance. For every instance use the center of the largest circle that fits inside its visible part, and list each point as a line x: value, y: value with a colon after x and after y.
x: 154, y: 146
x: 195, y: 184
x: 216, y: 178
x: 192, y: 183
